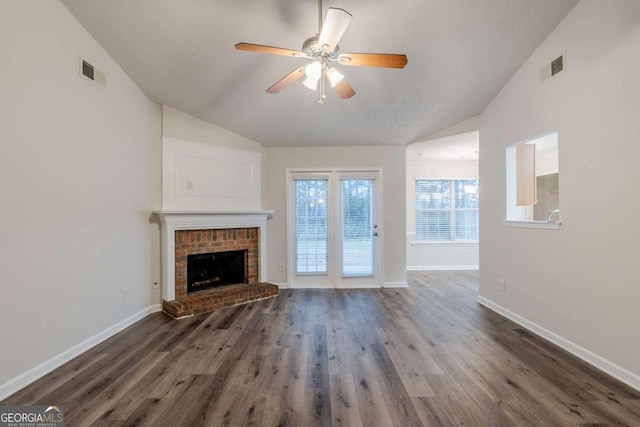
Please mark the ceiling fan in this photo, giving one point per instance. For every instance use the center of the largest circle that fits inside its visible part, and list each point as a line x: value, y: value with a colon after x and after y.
x: 323, y: 52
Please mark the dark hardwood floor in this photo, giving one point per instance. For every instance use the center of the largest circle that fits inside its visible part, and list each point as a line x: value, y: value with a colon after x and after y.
x: 427, y: 355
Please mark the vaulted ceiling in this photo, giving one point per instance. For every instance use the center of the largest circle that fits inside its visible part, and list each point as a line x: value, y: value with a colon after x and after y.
x: 461, y: 53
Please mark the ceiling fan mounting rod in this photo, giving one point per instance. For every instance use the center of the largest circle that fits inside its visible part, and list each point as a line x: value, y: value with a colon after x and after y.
x: 319, y: 16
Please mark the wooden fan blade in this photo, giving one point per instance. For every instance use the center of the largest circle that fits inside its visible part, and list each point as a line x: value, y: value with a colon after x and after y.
x: 250, y: 47
x: 287, y: 80
x: 344, y: 89
x: 335, y: 24
x: 389, y: 60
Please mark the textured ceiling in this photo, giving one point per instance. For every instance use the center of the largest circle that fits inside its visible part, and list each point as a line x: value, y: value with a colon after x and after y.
x: 461, y: 53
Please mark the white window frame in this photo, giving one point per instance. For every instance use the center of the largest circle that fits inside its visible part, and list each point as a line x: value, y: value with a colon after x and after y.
x: 452, y: 215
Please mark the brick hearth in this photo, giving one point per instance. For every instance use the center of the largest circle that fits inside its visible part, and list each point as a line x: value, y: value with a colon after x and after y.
x: 215, y: 299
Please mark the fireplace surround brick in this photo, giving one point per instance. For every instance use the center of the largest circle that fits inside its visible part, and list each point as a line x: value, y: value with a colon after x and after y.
x: 195, y: 242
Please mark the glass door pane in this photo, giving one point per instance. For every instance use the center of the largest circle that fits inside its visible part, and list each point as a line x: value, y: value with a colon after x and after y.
x: 357, y: 227
x: 312, y: 239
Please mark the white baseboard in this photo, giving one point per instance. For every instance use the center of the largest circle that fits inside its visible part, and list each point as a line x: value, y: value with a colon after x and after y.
x: 605, y: 365
x: 359, y: 286
x: 441, y: 267
x: 17, y: 383
x: 281, y: 285
x: 365, y: 286
x: 395, y: 285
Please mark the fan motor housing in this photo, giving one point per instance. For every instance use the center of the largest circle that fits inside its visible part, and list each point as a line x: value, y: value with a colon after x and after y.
x: 312, y: 48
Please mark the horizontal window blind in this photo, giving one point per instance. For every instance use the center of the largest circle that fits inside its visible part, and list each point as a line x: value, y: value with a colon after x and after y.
x: 446, y: 210
x: 357, y: 227
x: 312, y: 239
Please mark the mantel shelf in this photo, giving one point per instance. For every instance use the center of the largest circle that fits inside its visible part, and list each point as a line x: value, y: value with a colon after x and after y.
x: 178, y: 213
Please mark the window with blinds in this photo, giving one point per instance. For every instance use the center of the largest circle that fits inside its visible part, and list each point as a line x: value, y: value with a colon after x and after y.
x: 312, y: 239
x: 357, y: 227
x: 447, y: 210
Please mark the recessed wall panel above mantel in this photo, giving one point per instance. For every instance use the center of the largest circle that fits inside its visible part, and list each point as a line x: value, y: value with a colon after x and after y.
x: 198, y: 176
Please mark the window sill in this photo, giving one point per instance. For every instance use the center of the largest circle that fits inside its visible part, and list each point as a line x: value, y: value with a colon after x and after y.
x: 460, y: 243
x: 543, y: 225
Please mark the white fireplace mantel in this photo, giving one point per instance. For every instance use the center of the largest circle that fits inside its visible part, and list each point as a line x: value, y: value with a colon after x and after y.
x: 172, y: 221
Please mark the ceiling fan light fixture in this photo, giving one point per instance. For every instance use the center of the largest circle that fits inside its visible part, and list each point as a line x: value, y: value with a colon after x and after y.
x: 311, y: 83
x: 334, y: 76
x: 313, y: 72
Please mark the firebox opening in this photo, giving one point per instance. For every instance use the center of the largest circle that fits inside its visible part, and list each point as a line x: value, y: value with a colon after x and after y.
x: 214, y: 270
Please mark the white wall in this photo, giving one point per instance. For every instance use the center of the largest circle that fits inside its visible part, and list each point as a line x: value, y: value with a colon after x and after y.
x: 79, y: 175
x: 179, y: 125
x: 436, y: 256
x: 392, y: 162
x: 208, y: 157
x: 579, y: 283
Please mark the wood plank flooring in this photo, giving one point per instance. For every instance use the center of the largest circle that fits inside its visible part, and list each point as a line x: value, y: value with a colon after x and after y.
x: 428, y: 355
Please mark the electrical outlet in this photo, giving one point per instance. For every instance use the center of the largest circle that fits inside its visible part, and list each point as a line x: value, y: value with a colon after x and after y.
x: 503, y: 285
x: 282, y: 266
x: 125, y: 294
x: 189, y: 185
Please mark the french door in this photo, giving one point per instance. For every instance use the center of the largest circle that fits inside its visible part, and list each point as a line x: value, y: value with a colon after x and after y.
x: 334, y: 233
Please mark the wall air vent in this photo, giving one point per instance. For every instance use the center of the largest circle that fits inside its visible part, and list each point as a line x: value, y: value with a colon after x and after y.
x: 553, y: 68
x: 90, y: 72
x: 557, y: 65
x: 87, y: 70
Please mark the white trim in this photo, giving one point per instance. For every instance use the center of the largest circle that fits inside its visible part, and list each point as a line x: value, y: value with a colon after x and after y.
x: 605, y: 365
x: 351, y: 286
x: 361, y: 285
x: 17, y: 383
x: 172, y: 221
x: 451, y: 243
x: 331, y: 279
x: 196, y: 212
x: 281, y: 285
x: 308, y: 286
x: 442, y: 267
x: 395, y: 285
x: 458, y: 243
x: 544, y: 225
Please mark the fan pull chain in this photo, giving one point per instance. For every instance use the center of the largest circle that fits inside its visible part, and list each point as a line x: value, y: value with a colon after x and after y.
x: 322, y: 95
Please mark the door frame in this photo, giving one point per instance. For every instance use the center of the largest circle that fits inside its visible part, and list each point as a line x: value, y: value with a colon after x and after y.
x: 333, y: 279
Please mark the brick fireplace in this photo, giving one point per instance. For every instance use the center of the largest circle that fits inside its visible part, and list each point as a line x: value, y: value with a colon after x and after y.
x: 195, y: 233
x: 213, y: 241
